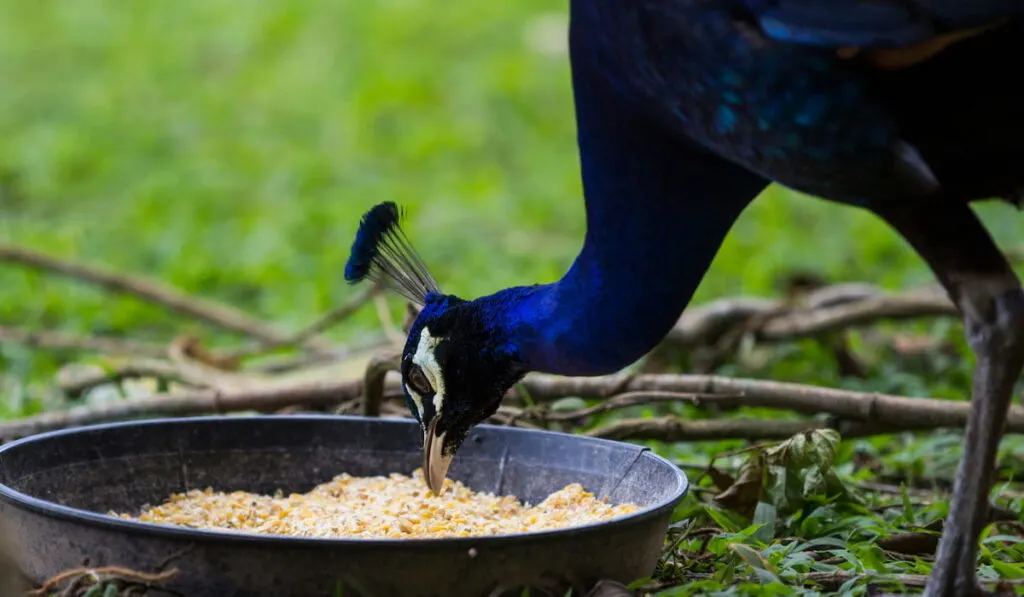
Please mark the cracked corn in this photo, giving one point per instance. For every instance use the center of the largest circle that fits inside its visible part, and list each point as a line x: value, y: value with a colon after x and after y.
x: 396, y: 506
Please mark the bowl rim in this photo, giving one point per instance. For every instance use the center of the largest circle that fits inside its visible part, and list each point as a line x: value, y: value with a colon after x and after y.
x: 49, y: 509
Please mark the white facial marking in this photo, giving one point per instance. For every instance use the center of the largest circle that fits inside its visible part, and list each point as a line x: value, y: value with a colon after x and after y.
x: 424, y: 357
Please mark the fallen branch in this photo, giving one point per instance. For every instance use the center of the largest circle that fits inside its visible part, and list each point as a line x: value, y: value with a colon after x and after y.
x: 212, y: 312
x: 825, y: 310
x: 182, y: 371
x: 317, y: 327
x: 373, y: 381
x: 62, y: 341
x: 632, y: 399
x: 854, y: 414
x: 908, y: 413
x: 386, y: 321
x: 284, y: 363
x: 314, y: 395
x: 75, y: 383
x: 818, y: 321
x: 671, y: 429
x: 99, y: 575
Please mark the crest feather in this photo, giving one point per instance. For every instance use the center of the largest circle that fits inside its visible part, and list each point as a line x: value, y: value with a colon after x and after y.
x: 382, y: 253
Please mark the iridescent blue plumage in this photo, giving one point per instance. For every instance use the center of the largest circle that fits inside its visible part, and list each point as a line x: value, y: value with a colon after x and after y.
x: 373, y: 226
x: 685, y: 111
x: 382, y: 253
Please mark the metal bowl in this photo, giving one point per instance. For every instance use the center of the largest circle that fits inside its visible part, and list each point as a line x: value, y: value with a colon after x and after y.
x: 55, y: 487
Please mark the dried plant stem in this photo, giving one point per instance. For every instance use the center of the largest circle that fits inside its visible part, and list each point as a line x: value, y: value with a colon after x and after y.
x: 319, y: 395
x: 54, y: 340
x: 674, y: 429
x: 824, y: 310
x: 77, y: 383
x: 271, y: 399
x: 373, y: 380
x: 206, y: 310
x: 907, y: 413
x: 107, y: 572
x: 320, y: 325
x: 630, y: 399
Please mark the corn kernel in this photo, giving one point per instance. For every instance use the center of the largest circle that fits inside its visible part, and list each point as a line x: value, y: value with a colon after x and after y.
x: 386, y: 506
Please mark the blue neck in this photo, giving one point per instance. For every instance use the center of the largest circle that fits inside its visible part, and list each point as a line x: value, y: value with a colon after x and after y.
x: 658, y: 209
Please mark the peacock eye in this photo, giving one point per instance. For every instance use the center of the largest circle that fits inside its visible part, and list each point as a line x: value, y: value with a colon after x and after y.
x: 418, y: 381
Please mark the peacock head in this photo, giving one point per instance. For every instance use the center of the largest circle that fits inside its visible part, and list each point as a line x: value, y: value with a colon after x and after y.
x: 457, y: 363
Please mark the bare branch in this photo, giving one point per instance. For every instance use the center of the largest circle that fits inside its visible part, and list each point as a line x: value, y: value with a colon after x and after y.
x: 334, y: 316
x: 386, y: 321
x: 74, y: 383
x: 373, y: 382
x: 826, y: 309
x: 320, y: 325
x: 62, y: 341
x: 810, y: 322
x: 674, y: 429
x: 212, y: 312
x: 907, y: 413
x: 630, y: 399
x: 313, y: 395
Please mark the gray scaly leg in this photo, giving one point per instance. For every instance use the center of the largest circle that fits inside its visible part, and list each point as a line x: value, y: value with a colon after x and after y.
x: 988, y: 294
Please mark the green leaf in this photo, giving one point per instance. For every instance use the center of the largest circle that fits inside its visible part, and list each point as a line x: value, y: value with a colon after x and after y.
x: 765, y: 514
x: 908, y: 505
x: 822, y: 542
x: 824, y: 446
x: 753, y: 559
x: 797, y: 451
x: 872, y: 557
x: 814, y: 483
x: 722, y: 519
x: 1008, y: 570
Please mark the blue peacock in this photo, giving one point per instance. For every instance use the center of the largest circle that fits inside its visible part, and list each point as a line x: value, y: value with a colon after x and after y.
x: 685, y: 111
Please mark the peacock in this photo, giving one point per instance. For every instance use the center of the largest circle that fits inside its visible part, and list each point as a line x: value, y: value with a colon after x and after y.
x: 685, y: 111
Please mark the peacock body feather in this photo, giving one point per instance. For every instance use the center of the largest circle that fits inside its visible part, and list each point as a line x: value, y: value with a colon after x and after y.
x: 685, y: 111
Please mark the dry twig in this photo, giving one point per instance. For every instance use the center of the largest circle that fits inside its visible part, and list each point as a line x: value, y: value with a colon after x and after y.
x: 77, y: 382
x: 627, y: 400
x: 906, y: 413
x: 311, y: 331
x: 320, y: 395
x: 101, y: 574
x: 212, y: 312
x: 54, y: 340
x: 373, y: 381
x: 825, y: 310
x: 387, y: 322
x: 314, y: 395
x: 674, y: 429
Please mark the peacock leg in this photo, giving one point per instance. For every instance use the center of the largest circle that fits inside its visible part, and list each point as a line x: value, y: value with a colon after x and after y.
x: 989, y: 296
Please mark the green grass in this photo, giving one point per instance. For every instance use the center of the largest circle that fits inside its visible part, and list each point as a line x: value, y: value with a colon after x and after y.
x: 230, y: 148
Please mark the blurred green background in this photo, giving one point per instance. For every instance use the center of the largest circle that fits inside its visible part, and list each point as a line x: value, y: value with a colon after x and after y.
x: 230, y: 148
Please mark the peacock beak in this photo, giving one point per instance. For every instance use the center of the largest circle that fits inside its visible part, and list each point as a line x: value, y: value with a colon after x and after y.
x: 435, y: 462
